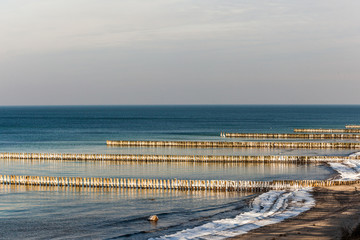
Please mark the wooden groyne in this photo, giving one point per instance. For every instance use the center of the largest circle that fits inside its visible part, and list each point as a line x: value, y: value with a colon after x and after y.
x: 323, y: 130
x: 352, y: 126
x: 198, y: 144
x: 171, y: 158
x: 291, y: 135
x: 171, y: 184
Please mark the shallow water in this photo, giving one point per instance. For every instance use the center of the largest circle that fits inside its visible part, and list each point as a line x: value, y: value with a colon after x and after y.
x: 53, y: 212
x: 167, y: 170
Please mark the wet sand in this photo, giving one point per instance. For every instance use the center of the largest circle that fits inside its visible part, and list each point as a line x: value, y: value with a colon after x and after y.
x: 335, y: 215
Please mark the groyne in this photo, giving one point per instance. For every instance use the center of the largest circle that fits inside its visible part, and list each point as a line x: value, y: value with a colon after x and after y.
x: 172, y: 158
x: 171, y: 184
x: 291, y: 135
x: 352, y: 126
x: 198, y: 144
x: 323, y: 130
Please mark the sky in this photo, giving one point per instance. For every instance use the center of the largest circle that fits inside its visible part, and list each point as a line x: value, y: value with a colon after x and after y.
x: 96, y: 52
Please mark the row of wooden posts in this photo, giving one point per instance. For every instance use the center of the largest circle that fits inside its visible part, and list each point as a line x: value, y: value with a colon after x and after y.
x: 172, y: 158
x: 223, y: 144
x: 316, y: 133
x: 324, y: 130
x: 291, y: 135
x: 352, y: 126
x: 171, y: 184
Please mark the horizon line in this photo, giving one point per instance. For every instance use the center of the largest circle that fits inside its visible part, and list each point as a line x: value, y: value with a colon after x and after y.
x: 149, y: 105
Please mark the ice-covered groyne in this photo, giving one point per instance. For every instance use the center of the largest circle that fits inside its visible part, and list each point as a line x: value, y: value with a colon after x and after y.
x: 292, y: 135
x: 171, y: 184
x: 225, y: 144
x: 170, y: 158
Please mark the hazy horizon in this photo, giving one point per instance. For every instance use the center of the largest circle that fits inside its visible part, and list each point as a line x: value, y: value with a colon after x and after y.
x: 176, y: 105
x: 179, y: 52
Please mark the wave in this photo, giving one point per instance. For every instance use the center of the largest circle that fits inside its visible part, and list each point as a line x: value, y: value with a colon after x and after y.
x: 348, y: 169
x: 268, y: 208
x: 354, y: 154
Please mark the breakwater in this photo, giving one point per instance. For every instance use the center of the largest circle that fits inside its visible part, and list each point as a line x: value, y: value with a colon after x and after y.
x: 171, y: 158
x: 352, y: 126
x: 291, y: 135
x: 198, y: 144
x: 171, y: 184
x: 323, y: 130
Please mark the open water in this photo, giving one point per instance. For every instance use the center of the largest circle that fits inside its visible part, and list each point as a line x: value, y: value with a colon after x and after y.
x: 44, y: 212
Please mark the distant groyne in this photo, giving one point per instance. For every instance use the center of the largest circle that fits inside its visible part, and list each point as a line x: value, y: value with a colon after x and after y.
x: 171, y: 158
x: 323, y: 130
x: 171, y: 184
x: 352, y: 126
x: 291, y: 135
x: 198, y: 144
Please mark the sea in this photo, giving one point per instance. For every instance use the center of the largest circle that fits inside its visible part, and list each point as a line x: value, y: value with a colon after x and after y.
x: 73, y: 213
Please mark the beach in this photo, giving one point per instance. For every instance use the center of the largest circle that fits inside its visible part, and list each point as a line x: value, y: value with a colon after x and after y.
x: 335, y: 216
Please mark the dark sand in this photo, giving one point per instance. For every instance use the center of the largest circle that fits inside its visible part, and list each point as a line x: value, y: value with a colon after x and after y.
x: 335, y: 215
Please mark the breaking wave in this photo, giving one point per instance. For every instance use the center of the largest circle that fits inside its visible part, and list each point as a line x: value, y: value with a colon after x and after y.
x: 268, y: 208
x: 348, y: 169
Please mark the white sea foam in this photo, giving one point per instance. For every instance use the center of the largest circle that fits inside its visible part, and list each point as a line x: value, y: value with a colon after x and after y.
x: 348, y: 169
x: 355, y: 154
x: 268, y: 208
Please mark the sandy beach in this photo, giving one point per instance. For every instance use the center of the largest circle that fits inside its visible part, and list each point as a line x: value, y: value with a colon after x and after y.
x: 336, y: 215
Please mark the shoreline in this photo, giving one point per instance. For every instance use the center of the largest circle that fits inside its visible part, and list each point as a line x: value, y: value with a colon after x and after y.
x: 335, y: 216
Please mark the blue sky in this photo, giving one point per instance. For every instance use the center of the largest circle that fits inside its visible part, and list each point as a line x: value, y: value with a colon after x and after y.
x: 179, y: 52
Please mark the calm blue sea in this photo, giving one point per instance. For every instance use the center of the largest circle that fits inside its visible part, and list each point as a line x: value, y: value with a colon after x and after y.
x: 86, y: 128
x: 43, y: 213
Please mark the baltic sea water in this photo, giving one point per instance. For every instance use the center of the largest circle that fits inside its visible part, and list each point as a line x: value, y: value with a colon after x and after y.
x: 43, y: 212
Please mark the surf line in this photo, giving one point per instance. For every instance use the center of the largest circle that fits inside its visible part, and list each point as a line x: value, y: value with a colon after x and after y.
x: 268, y: 208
